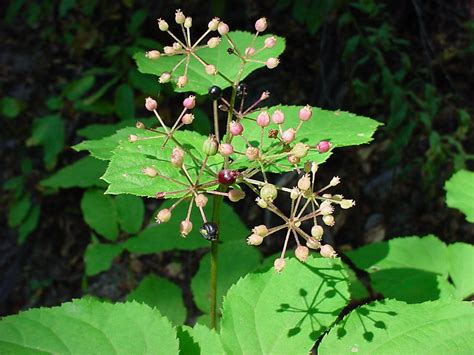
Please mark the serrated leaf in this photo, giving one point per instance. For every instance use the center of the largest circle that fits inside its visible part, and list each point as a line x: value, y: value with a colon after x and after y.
x: 48, y: 132
x: 228, y: 65
x: 460, y: 193
x: 199, y: 340
x: 165, y: 236
x: 410, y: 269
x: 161, y: 294
x: 461, y: 266
x: 85, y: 172
x: 394, y: 327
x: 125, y: 172
x: 100, y: 213
x: 88, y: 327
x: 284, y: 313
x: 98, y: 257
x: 131, y: 211
x: 235, y: 260
x: 340, y: 128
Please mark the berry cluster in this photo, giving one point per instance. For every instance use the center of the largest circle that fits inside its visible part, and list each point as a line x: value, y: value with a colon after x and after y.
x: 307, y: 204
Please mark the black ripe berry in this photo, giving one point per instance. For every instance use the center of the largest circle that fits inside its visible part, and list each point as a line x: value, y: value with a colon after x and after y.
x: 209, y: 231
x: 215, y: 92
x: 241, y: 90
x: 227, y: 176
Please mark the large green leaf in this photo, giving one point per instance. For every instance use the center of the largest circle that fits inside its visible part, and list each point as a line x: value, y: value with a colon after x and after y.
x: 394, y: 327
x: 125, y: 171
x: 85, y: 172
x: 199, y: 340
x: 131, y: 211
x: 228, y: 65
x: 461, y: 267
x: 124, y: 103
x: 165, y: 236
x: 88, y: 327
x: 267, y: 313
x: 100, y: 213
x: 98, y: 257
x: 460, y: 193
x: 235, y: 260
x: 340, y: 128
x: 413, y: 269
x: 29, y: 224
x: 161, y: 294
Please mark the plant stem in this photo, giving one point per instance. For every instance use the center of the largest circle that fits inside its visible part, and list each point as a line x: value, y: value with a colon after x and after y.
x: 216, y: 213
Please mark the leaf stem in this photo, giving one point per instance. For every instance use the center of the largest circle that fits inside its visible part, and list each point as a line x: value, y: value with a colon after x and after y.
x: 216, y: 212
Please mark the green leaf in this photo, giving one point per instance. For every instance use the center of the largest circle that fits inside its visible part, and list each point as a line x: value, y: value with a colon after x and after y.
x: 235, y: 260
x: 340, y: 128
x: 228, y: 65
x: 131, y: 211
x: 125, y: 171
x: 9, y: 107
x: 394, y: 327
x: 102, y: 148
x: 48, y: 132
x: 19, y: 210
x: 100, y: 213
x: 85, y: 172
x: 199, y: 340
x: 147, y: 84
x: 98, y: 257
x: 79, y: 88
x: 284, y: 313
x: 461, y: 265
x: 65, y: 6
x: 165, y: 236
x: 460, y: 193
x: 29, y: 224
x: 88, y: 327
x: 163, y: 295
x: 410, y: 269
x: 124, y: 104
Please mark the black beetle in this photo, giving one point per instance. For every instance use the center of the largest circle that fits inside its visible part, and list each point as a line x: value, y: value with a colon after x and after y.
x: 209, y: 231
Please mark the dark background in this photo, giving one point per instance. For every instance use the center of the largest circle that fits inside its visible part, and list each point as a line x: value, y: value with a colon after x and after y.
x: 408, y: 64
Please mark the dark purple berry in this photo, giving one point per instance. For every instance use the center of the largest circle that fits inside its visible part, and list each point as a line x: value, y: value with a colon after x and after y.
x: 209, y: 231
x: 241, y: 90
x: 215, y: 92
x: 227, y: 176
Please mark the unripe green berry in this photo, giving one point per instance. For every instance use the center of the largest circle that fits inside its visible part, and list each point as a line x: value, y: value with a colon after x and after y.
x: 268, y: 192
x: 210, y: 146
x: 300, y: 150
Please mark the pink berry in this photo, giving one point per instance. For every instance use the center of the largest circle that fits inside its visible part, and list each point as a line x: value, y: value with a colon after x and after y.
x: 188, y: 118
x: 323, y: 146
x: 270, y: 42
x: 263, y: 119
x: 305, y: 113
x: 189, y: 102
x: 249, y: 51
x: 226, y: 149
x: 185, y: 227
x: 261, y: 24
x: 278, y: 117
x: 288, y: 136
x: 272, y: 63
x: 236, y: 128
x: 154, y: 54
x: 252, y: 153
x: 327, y: 251
x: 150, y: 104
x: 223, y: 28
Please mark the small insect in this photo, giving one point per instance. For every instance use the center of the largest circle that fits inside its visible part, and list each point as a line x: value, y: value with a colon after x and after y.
x: 209, y: 231
x: 230, y: 50
x: 241, y: 90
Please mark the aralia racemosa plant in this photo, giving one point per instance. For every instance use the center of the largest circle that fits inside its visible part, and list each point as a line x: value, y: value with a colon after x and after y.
x: 248, y: 142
